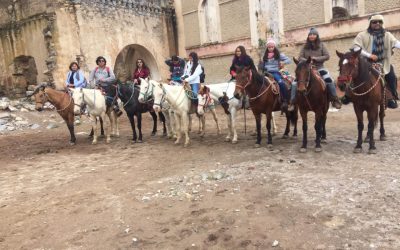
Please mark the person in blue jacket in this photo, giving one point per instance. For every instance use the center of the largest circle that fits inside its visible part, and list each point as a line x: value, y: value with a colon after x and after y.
x: 75, y: 77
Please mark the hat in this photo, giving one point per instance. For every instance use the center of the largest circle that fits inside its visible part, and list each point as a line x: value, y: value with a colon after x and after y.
x: 271, y: 41
x: 313, y: 31
x: 376, y: 17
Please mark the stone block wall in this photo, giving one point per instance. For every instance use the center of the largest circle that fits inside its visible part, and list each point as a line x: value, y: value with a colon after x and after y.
x: 302, y: 13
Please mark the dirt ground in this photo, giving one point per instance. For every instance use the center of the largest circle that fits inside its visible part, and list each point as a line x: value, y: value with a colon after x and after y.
x: 211, y: 195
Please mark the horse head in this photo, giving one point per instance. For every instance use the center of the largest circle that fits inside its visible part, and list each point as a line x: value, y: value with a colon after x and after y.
x: 303, y: 73
x: 146, y: 90
x: 243, y: 79
x: 158, y: 94
x: 348, y: 67
x: 78, y: 96
x: 204, y: 91
x: 40, y: 96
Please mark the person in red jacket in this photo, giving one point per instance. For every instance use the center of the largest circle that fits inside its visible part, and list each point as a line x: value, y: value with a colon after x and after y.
x: 141, y: 71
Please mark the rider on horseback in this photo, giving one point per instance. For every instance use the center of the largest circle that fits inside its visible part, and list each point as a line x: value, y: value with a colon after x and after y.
x: 103, y: 77
x: 318, y: 52
x: 240, y: 59
x: 176, y: 68
x: 192, y: 75
x: 273, y: 61
x: 373, y: 42
x: 141, y: 71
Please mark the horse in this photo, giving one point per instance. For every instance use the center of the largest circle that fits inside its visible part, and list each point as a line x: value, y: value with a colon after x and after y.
x: 205, y: 102
x: 367, y: 92
x: 61, y: 100
x: 129, y: 93
x: 97, y: 108
x: 312, y: 96
x: 263, y: 98
x: 180, y: 103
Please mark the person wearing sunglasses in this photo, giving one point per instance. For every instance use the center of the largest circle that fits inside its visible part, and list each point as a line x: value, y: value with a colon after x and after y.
x: 377, y: 45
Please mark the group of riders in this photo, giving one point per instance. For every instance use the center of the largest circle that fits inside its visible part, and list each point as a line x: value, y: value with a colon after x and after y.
x: 376, y: 44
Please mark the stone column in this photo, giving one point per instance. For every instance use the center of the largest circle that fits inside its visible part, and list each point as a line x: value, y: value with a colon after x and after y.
x: 180, y: 28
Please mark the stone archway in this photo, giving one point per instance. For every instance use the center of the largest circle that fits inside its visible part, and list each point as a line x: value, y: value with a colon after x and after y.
x: 125, y: 63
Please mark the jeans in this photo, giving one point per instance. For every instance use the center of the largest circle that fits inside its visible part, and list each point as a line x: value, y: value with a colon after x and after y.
x: 282, y: 86
x: 330, y: 85
x: 195, y: 88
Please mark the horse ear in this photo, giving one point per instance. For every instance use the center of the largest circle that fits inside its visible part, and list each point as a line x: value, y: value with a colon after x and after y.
x: 308, y: 60
x: 339, y: 54
x: 295, y: 60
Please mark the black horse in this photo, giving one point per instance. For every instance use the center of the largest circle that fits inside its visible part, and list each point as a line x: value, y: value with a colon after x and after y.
x: 129, y: 93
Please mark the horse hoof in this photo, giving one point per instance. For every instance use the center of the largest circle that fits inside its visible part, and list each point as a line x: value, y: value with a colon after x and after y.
x: 72, y: 143
x: 108, y: 141
x: 270, y: 147
x: 303, y: 150
x: 285, y: 136
x: 202, y: 135
x: 318, y: 150
x: 324, y: 141
x: 234, y: 141
x: 139, y: 141
x: 94, y: 142
x: 133, y: 141
x: 372, y: 151
x: 357, y: 150
x: 186, y: 145
x: 218, y: 132
x: 153, y: 133
x: 227, y: 139
x: 257, y: 145
x: 176, y: 142
x: 383, y: 138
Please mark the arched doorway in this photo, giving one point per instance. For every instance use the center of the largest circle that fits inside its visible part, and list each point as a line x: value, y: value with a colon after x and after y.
x: 125, y: 63
x: 25, y: 74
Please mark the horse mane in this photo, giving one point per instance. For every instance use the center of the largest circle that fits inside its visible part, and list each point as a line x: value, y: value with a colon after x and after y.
x: 365, y: 67
x: 257, y: 77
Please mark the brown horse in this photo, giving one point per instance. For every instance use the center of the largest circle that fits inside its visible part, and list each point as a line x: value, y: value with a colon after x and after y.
x: 367, y: 92
x: 312, y: 96
x: 63, y: 103
x: 264, y: 99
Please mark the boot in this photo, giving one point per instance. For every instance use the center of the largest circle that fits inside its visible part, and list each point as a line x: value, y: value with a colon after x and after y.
x: 392, y: 104
x: 345, y: 100
x: 336, y: 103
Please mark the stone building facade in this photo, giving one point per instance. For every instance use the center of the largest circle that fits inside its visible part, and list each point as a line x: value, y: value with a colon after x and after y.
x: 251, y: 22
x: 40, y: 38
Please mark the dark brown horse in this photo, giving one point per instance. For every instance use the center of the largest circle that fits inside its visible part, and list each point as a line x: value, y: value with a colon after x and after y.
x: 63, y: 103
x: 264, y: 99
x: 311, y: 96
x: 367, y: 92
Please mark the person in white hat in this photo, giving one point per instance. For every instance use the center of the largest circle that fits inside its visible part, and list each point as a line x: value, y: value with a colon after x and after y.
x: 377, y: 44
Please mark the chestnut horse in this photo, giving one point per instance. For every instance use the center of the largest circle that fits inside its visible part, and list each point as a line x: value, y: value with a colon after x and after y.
x: 264, y: 99
x: 61, y: 100
x: 311, y: 95
x: 367, y: 92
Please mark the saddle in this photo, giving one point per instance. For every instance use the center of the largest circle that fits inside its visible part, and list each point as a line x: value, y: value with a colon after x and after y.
x: 287, y: 78
x: 275, y: 86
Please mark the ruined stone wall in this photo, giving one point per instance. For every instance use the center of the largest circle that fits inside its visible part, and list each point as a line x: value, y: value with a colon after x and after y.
x: 302, y: 13
x: 55, y: 33
x: 373, y: 6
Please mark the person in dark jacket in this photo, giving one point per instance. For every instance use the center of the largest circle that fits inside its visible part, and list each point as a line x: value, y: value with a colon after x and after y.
x: 240, y: 59
x: 176, y: 68
x: 141, y: 71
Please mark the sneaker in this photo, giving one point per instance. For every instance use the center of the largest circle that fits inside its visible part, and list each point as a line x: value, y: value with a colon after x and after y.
x: 290, y: 107
x: 392, y: 104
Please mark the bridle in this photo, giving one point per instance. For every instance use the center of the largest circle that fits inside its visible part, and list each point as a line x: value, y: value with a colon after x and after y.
x: 46, y: 98
x: 148, y: 93
x: 248, y: 83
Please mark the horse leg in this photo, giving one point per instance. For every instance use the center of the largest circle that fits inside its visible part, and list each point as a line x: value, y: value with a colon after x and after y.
x: 162, y: 118
x: 132, y: 121
x: 317, y: 127
x: 287, y: 129
x: 360, y: 127
x: 101, y: 126
x: 154, y: 116
x: 108, y: 126
x: 233, y: 114
x: 203, y: 125
x: 381, y: 118
x: 172, y: 121
x: 323, y: 129
x: 372, y: 118
x: 116, y: 124
x: 201, y: 128
x: 94, y: 128
x: 190, y: 123
x: 185, y: 125
x: 177, y: 127
x: 269, y: 136
x: 303, y: 148
x: 274, y: 127
x: 258, y: 127
x: 214, y: 113
x: 70, y: 125
x: 139, y: 125
x: 229, y: 119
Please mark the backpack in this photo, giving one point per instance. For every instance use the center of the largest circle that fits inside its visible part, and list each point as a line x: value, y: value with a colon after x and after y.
x: 202, y: 75
x: 107, y: 68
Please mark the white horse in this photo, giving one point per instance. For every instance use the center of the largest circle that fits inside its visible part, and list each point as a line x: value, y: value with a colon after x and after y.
x: 205, y: 102
x: 97, y: 108
x: 180, y: 104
